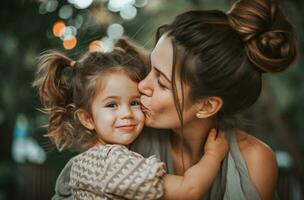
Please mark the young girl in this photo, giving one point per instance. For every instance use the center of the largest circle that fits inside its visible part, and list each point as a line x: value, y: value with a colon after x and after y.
x: 96, y: 109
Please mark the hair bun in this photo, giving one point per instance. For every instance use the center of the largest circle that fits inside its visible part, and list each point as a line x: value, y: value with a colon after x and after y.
x: 269, y: 37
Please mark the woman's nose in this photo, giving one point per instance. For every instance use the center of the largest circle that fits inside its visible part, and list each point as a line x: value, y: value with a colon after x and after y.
x: 145, y: 86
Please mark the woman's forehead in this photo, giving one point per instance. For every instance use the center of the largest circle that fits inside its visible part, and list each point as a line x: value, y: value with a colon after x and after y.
x: 162, y: 55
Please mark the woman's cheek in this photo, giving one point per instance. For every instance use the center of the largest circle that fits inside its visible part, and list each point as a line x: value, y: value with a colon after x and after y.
x: 158, y: 104
x: 162, y: 102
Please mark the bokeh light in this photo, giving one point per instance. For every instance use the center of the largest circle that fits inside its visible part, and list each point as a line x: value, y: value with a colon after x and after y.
x: 58, y: 27
x: 118, y: 5
x: 78, y: 21
x: 107, y: 44
x: 51, y: 5
x: 115, y: 31
x: 65, y: 12
x: 96, y: 45
x: 68, y: 32
x: 81, y: 4
x: 48, y: 6
x: 70, y: 42
x: 128, y: 12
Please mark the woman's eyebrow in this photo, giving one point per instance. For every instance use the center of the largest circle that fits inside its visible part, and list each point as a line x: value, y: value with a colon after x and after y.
x: 164, y: 75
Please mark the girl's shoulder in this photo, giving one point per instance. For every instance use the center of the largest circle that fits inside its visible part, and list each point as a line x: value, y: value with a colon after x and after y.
x: 260, y: 161
x: 104, y: 153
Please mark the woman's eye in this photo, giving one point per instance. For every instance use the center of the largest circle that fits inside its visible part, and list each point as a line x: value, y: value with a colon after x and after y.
x: 111, y: 105
x: 160, y: 84
x: 135, y: 103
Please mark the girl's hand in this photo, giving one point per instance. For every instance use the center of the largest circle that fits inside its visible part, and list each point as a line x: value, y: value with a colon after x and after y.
x: 216, y: 145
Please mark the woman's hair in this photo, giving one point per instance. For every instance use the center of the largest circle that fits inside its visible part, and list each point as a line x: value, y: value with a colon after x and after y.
x: 225, y: 54
x: 62, y: 93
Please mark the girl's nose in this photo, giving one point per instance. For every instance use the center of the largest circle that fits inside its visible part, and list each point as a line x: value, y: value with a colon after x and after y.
x: 145, y: 86
x: 126, y: 113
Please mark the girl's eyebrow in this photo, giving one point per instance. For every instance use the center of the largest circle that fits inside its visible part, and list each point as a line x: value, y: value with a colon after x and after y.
x: 110, y: 97
x: 118, y: 97
x: 161, y: 73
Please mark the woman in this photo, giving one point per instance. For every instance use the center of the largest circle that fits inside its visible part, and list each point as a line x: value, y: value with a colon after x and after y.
x: 206, y: 67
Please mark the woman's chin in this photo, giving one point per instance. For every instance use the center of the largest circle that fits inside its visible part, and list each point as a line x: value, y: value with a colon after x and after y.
x: 148, y: 122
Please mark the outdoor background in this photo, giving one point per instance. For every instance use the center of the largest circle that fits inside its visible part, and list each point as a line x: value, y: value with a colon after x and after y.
x: 29, y: 163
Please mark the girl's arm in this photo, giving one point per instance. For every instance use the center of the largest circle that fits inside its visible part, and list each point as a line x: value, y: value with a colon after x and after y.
x: 197, y: 179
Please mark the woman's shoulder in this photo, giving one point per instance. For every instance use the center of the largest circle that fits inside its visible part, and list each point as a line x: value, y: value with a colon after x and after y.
x: 260, y: 161
x: 249, y: 144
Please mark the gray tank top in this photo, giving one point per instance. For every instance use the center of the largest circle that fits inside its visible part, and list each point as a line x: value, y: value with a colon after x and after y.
x: 232, y: 182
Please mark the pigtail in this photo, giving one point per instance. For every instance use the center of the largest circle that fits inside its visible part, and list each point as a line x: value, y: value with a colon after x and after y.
x: 52, y: 86
x: 56, y: 96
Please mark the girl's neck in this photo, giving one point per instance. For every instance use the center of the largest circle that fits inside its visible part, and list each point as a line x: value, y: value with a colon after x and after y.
x: 101, y: 142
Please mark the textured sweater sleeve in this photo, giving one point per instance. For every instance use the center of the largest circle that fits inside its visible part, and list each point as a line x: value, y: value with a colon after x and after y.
x: 62, y: 188
x: 115, y: 172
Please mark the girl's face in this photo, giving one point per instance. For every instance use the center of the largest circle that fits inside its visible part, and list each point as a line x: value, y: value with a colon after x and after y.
x: 157, y: 97
x: 116, y: 110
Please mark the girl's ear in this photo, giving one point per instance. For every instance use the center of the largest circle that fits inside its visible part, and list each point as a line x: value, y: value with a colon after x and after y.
x: 209, y: 107
x: 85, y: 119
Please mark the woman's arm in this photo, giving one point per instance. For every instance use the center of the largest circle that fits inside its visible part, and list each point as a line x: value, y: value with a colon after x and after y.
x: 261, y: 164
x: 197, y: 179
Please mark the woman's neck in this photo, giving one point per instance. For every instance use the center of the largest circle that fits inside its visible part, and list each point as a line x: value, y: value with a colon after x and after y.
x: 193, y: 140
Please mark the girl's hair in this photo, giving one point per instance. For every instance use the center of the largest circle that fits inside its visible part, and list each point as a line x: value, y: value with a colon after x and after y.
x: 225, y: 54
x: 62, y: 93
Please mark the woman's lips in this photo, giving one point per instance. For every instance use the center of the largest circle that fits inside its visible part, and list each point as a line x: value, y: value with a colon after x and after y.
x: 143, y: 105
x: 144, y: 108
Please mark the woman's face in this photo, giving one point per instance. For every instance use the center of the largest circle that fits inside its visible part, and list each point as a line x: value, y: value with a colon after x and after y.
x: 156, y: 90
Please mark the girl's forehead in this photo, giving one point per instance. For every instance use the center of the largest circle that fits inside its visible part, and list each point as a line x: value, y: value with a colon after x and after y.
x: 117, y: 81
x: 122, y: 89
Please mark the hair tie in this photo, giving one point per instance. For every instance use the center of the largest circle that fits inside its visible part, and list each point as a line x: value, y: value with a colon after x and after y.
x: 73, y: 63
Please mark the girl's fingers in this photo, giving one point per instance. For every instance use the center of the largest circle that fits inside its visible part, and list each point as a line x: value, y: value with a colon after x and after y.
x: 221, y: 134
x: 212, y: 135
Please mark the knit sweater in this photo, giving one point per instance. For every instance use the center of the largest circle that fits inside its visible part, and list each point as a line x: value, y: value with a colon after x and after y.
x: 115, y: 172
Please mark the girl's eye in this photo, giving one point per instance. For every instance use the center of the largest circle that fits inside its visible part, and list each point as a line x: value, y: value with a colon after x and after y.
x: 135, y: 103
x: 111, y: 105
